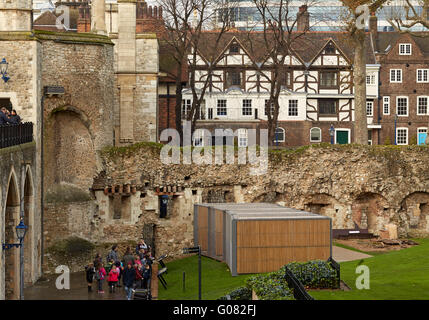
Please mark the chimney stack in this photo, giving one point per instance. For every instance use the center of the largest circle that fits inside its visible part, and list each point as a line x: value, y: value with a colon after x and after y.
x: 303, y: 19
x: 373, y: 26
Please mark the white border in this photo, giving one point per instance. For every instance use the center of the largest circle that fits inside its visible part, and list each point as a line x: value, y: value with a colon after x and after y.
x: 342, y: 129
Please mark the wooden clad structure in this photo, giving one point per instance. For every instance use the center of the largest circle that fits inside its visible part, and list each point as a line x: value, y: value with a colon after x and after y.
x: 260, y: 237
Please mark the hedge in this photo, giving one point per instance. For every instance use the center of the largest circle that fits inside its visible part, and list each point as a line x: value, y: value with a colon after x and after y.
x: 314, y: 274
x: 271, y: 286
x: 241, y: 293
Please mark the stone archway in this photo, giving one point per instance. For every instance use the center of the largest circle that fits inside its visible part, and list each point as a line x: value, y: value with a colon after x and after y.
x: 70, y: 157
x: 11, y: 256
x: 29, y: 221
x: 327, y: 205
x: 416, y: 207
x: 370, y: 211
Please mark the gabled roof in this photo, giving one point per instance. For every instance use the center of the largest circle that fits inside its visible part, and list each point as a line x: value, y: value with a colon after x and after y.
x: 305, y: 47
x: 391, y: 38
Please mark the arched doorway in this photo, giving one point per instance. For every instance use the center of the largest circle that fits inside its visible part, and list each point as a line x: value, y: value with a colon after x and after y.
x: 371, y: 211
x: 12, y: 255
x: 29, y: 221
x: 70, y: 153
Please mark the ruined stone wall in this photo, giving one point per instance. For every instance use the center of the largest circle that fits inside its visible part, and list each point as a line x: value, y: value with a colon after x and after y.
x: 364, y: 186
x: 80, y: 122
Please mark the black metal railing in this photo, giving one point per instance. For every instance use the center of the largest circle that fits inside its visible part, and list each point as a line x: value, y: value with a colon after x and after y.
x: 15, y: 134
x: 336, y: 266
x: 299, y: 291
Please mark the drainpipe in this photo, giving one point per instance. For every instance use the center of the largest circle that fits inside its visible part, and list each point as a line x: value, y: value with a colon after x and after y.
x: 42, y: 182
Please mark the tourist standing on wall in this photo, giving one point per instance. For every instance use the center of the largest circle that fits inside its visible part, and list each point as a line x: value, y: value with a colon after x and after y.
x: 128, y: 277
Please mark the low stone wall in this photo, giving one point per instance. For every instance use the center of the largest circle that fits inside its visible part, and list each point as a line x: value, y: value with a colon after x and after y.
x: 355, y: 185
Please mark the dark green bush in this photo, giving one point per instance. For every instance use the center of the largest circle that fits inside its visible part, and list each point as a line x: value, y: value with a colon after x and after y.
x: 314, y: 274
x: 271, y: 286
x: 241, y: 293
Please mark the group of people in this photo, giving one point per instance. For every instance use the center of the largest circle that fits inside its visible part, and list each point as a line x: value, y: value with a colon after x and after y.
x: 135, y: 269
x: 7, y: 117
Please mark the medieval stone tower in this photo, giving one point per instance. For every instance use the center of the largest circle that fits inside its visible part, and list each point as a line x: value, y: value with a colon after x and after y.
x: 15, y: 15
x: 130, y: 28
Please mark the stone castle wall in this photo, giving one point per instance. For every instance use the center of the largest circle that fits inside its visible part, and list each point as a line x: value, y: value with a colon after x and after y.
x: 365, y: 186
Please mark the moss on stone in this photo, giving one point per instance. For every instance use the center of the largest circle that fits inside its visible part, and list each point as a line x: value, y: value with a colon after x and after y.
x: 66, y: 193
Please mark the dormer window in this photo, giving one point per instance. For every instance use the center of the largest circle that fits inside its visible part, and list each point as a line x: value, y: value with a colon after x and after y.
x: 234, y: 48
x: 405, y: 49
x: 330, y: 49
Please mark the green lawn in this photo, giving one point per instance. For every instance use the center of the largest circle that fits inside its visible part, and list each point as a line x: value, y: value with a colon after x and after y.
x: 400, y: 274
x: 395, y: 275
x: 216, y: 280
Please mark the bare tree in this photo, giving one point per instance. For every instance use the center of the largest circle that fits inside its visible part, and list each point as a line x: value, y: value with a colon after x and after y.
x: 223, y: 12
x: 279, y: 24
x: 356, y: 34
x: 410, y: 15
x: 185, y: 22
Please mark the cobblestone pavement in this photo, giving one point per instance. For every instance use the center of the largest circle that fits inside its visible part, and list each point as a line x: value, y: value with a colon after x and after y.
x: 340, y: 254
x: 46, y: 290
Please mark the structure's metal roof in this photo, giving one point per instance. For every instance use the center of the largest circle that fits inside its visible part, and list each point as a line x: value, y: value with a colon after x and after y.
x: 261, y: 211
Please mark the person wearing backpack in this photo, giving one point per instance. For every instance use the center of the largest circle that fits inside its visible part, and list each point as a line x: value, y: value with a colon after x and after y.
x: 101, y: 274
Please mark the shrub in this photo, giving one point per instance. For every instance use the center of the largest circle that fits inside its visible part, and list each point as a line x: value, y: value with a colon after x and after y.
x: 271, y: 286
x: 241, y: 293
x: 314, y: 274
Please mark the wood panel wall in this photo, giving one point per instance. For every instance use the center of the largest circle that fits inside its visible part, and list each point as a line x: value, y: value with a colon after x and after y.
x: 267, y: 245
x: 219, y: 233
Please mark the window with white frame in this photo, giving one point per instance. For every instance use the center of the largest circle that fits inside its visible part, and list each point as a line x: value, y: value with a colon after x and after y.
x: 271, y: 108
x: 386, y: 106
x: 198, y: 138
x: 279, y: 135
x: 315, y: 135
x: 221, y: 107
x: 405, y: 49
x: 370, y: 79
x: 402, y: 136
x: 242, y: 137
x: 422, y: 75
x: 396, y: 75
x: 369, y: 108
x: 422, y: 105
x: 247, y: 107
x: 402, y: 106
x: 186, y: 107
x: 422, y: 130
x: 293, y: 108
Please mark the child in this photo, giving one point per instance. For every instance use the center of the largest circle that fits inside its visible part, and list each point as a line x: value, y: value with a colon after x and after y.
x: 137, y: 260
x: 90, y: 273
x: 101, y: 273
x: 146, y: 277
x: 139, y: 275
x: 120, y: 268
x: 113, y: 278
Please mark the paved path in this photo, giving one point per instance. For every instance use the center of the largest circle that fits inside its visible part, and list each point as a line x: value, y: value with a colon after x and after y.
x: 340, y: 254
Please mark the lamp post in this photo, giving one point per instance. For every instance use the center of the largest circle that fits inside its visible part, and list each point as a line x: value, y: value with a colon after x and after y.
x: 21, y: 230
x: 3, y: 69
x: 331, y: 133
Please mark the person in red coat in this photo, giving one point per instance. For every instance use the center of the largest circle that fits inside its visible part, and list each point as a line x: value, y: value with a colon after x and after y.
x: 112, y: 278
